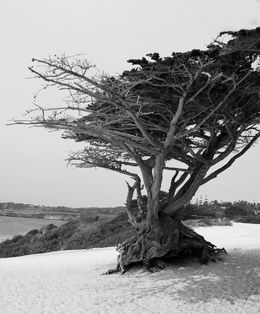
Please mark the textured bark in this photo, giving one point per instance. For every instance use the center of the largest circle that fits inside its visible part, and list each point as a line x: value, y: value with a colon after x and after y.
x: 161, y: 240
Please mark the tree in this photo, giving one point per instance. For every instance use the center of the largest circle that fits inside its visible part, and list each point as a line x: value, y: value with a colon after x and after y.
x: 236, y: 211
x: 185, y: 114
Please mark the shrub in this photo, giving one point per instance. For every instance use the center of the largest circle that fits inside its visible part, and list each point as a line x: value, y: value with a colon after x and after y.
x: 17, y: 238
x: 205, y: 222
x: 192, y: 211
x: 73, y: 235
x: 47, y: 228
x: 253, y: 219
x: 33, y: 232
x: 235, y: 211
x: 88, y: 218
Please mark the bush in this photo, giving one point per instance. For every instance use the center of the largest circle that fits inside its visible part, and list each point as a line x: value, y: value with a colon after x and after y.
x: 47, y: 228
x: 33, y: 232
x: 205, y: 222
x: 235, y: 211
x: 192, y: 211
x: 73, y: 235
x: 17, y: 238
x: 88, y: 218
x: 253, y: 219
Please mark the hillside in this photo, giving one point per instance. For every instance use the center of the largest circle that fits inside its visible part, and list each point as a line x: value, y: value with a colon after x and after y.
x: 103, y: 227
x: 76, y: 234
x: 79, y: 234
x: 12, y: 209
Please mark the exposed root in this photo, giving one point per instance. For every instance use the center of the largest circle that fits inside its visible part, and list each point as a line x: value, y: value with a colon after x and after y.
x: 156, y: 265
x: 112, y: 271
x: 167, y: 240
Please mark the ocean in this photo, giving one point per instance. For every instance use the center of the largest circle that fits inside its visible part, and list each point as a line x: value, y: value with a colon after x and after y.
x: 11, y: 226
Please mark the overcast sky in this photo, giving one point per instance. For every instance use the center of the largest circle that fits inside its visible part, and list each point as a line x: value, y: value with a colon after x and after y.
x: 32, y: 161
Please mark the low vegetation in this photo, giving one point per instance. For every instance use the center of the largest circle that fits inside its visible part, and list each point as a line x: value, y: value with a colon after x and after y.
x: 64, y: 213
x: 89, y: 231
x: 255, y: 219
x: 75, y: 234
x: 206, y: 222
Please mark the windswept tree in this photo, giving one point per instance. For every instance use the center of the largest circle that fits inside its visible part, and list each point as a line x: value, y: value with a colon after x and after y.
x: 184, y: 114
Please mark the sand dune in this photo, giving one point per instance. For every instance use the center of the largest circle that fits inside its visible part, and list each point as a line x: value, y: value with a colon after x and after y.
x: 70, y: 281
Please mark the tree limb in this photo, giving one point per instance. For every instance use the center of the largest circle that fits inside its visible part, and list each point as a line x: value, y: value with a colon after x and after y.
x: 231, y: 161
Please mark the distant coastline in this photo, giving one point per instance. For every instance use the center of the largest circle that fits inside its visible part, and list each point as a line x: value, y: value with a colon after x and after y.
x: 11, y: 226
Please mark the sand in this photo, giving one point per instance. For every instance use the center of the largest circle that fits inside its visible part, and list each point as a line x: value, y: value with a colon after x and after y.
x: 71, y: 281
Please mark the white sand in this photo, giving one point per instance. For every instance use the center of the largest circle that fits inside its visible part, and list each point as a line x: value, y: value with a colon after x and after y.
x: 70, y: 281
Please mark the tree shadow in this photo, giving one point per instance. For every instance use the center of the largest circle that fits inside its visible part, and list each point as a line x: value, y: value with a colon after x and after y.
x: 236, y: 277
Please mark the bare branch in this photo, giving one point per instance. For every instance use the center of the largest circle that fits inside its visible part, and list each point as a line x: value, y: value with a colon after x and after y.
x: 173, y: 124
x: 231, y: 161
x: 142, y: 129
x: 131, y: 216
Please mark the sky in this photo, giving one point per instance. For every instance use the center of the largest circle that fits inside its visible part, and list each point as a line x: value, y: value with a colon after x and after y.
x: 32, y: 160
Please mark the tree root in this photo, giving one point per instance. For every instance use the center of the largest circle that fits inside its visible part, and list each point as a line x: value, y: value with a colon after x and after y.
x: 167, y: 241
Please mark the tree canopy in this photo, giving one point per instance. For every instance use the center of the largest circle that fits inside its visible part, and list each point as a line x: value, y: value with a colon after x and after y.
x: 195, y: 108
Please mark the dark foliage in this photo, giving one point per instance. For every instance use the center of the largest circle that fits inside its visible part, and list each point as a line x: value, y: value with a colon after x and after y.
x: 235, y: 211
x: 252, y: 219
x: 72, y: 235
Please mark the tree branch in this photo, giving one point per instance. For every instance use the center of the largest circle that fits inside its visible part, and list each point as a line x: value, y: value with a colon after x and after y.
x: 190, y: 188
x: 173, y: 124
x: 231, y: 161
x: 130, y: 214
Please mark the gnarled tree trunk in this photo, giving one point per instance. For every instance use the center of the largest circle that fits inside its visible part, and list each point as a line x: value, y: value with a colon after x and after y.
x: 160, y: 233
x: 163, y: 239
